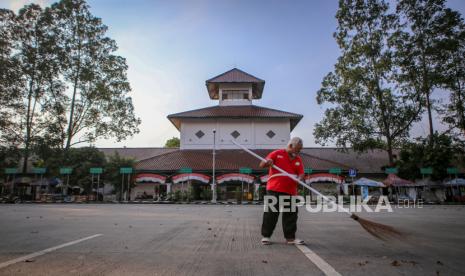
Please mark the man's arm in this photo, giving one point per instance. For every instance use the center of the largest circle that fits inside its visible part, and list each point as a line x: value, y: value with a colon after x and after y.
x: 267, y: 164
x: 269, y: 160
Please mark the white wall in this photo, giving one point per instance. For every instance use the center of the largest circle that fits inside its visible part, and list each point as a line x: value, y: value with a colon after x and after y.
x: 190, y: 127
x: 252, y: 133
x: 281, y: 128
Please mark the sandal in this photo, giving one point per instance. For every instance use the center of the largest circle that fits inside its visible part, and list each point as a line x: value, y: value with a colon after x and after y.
x: 266, y: 241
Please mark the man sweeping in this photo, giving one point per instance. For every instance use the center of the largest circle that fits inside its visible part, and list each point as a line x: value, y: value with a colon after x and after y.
x: 287, y: 163
x: 280, y: 188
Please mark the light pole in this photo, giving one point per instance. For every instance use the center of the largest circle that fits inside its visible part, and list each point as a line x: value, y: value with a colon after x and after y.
x: 213, y: 173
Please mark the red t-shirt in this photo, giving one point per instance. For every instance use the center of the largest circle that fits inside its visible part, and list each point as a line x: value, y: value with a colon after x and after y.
x: 284, y: 184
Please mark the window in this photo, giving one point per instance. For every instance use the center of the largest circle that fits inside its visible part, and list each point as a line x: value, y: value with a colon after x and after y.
x: 235, y: 94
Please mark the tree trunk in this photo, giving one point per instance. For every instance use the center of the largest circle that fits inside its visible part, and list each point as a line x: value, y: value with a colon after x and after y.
x: 389, y: 151
x: 425, y: 89
x: 461, y: 113
x: 386, y: 124
x: 459, y: 105
x: 70, y: 124
x: 27, y: 139
x: 430, y: 117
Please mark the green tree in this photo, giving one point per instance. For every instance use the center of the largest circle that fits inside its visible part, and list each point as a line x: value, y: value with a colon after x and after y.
x: 10, y: 81
x: 9, y: 158
x: 421, y: 153
x: 173, y: 143
x: 81, y: 160
x: 99, y: 105
x: 366, y: 110
x: 34, y: 52
x: 452, y: 66
x: 112, y: 174
x: 418, y: 49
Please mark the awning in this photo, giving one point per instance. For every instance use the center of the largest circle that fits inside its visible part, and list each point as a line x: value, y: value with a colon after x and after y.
x: 40, y: 182
x: 429, y: 183
x: 323, y: 177
x: 55, y: 181
x: 191, y: 176
x: 266, y: 177
x: 18, y: 181
x: 368, y: 182
x: 150, y: 178
x: 235, y: 177
x: 394, y: 180
x: 456, y: 182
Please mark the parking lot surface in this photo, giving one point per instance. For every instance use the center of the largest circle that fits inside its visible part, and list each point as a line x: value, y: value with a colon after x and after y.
x: 113, y: 239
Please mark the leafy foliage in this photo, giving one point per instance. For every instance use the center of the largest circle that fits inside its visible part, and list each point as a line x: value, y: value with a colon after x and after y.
x: 10, y: 81
x: 99, y: 105
x: 419, y: 48
x: 419, y: 154
x: 9, y: 158
x: 42, y: 54
x: 452, y: 45
x: 81, y: 160
x: 173, y: 143
x: 31, y: 80
x: 112, y: 174
x: 366, y: 110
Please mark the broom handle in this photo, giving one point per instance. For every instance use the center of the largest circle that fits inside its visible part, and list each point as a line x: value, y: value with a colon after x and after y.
x: 291, y: 176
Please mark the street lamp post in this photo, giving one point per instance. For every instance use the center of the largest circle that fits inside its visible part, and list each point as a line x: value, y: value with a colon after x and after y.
x: 213, y: 173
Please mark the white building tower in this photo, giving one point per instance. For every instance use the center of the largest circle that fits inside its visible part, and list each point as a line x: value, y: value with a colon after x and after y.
x: 235, y: 117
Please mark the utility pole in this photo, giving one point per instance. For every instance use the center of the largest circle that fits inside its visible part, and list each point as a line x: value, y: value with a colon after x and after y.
x: 213, y: 173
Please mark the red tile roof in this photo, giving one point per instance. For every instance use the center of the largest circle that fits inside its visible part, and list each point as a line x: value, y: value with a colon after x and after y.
x: 235, y: 112
x: 136, y: 153
x: 235, y: 76
x: 371, y: 161
x: 226, y: 160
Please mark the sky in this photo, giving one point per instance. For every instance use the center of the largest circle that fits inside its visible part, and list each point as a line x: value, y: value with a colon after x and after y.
x: 172, y: 47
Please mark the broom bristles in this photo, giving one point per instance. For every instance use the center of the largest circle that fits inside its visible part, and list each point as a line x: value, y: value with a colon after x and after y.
x: 378, y: 230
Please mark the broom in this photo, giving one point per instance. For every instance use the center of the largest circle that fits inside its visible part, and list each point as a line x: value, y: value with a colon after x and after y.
x: 378, y: 230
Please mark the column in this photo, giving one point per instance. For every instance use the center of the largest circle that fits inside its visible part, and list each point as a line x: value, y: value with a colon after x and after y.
x: 256, y: 195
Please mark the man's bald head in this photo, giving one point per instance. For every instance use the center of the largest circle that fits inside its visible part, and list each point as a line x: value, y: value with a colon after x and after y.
x: 294, y: 146
x: 295, y: 141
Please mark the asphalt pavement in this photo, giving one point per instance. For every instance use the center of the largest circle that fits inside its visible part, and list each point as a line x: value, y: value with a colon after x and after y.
x: 113, y: 239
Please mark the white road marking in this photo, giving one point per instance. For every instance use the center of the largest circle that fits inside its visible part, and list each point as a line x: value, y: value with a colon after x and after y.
x: 318, y: 261
x: 45, y: 251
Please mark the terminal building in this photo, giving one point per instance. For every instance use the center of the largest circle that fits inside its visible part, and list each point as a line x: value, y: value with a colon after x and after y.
x: 234, y: 116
